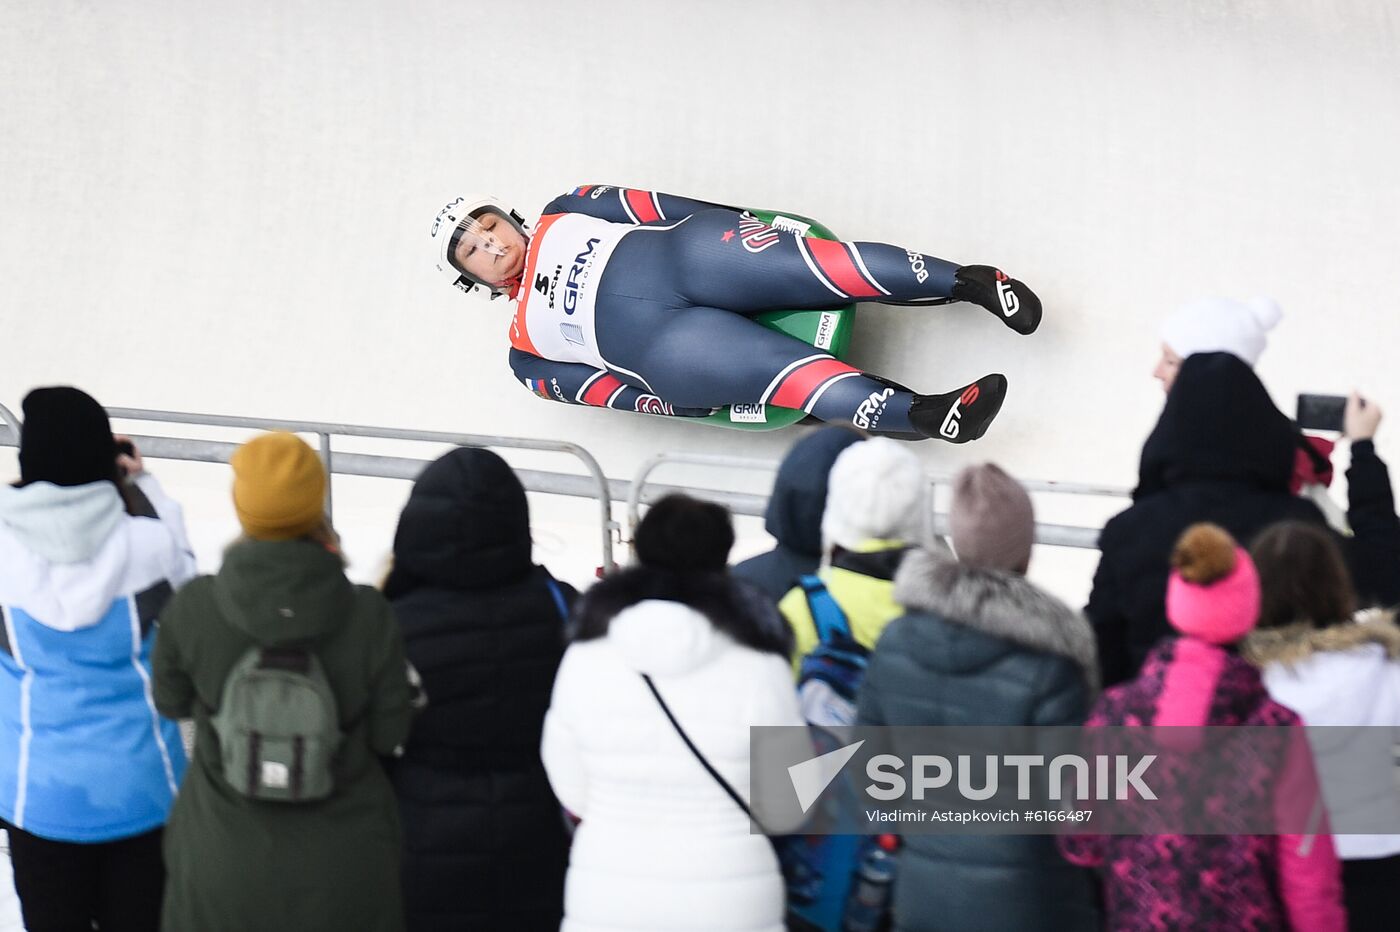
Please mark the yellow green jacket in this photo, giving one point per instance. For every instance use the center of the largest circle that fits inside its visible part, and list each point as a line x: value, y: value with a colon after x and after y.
x: 862, y: 583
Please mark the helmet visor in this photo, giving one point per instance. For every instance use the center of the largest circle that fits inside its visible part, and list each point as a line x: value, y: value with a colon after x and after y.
x: 487, y: 246
x: 473, y: 231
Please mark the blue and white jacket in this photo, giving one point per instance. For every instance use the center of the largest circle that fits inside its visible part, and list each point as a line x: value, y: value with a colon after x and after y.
x: 84, y: 757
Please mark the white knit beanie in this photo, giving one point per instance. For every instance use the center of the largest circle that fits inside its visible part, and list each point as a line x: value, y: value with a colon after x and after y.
x: 1222, y: 325
x: 876, y: 489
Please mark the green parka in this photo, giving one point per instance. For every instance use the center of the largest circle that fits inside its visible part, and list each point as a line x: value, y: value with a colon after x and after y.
x: 238, y: 864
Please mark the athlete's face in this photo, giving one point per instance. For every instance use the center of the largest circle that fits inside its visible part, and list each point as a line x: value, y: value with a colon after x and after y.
x: 1167, y: 368
x: 492, y: 249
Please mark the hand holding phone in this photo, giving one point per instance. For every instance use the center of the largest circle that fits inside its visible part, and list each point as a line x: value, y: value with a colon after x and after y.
x: 1361, y: 419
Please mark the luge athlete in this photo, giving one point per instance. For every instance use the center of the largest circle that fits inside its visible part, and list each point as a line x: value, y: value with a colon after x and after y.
x: 643, y: 301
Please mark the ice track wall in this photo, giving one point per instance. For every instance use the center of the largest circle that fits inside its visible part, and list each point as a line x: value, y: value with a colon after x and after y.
x: 225, y: 206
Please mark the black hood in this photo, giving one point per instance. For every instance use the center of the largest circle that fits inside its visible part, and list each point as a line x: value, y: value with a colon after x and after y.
x: 466, y: 526
x: 799, y: 491
x: 1219, y: 423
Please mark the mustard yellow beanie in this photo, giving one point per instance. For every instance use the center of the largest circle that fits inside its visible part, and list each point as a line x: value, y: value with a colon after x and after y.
x: 279, y: 487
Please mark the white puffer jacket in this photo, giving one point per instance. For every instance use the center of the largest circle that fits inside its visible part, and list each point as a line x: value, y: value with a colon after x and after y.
x: 661, y: 846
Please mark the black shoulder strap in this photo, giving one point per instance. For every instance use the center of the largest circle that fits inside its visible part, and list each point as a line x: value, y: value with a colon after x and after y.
x: 558, y: 595
x: 709, y: 768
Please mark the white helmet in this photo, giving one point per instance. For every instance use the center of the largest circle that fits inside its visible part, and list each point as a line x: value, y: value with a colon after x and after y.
x: 458, y: 220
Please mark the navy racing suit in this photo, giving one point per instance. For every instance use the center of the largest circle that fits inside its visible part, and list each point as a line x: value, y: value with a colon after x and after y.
x: 644, y: 301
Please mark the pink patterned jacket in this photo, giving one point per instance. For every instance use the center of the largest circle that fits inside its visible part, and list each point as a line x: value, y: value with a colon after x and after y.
x: 1208, y: 882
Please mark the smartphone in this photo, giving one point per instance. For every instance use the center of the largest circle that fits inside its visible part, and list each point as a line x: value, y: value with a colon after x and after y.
x: 1321, y: 412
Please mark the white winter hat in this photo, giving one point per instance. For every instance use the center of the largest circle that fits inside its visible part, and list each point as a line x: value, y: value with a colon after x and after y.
x: 1222, y: 325
x: 876, y: 489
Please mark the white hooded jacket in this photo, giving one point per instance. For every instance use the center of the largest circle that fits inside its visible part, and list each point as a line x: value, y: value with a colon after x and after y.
x: 1346, y: 674
x: 661, y: 846
x: 84, y: 757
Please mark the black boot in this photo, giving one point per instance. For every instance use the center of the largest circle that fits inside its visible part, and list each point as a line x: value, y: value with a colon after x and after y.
x: 1007, y: 298
x: 960, y: 415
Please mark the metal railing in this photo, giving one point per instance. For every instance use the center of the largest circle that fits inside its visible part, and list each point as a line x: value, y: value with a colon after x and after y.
x: 740, y: 503
x: 1055, y: 535
x: 594, y: 485
x: 641, y: 490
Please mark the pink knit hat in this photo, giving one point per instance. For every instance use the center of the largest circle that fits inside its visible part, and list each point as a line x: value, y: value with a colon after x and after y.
x: 1213, y: 592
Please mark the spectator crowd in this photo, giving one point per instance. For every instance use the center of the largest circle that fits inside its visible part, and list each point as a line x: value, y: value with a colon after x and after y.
x: 474, y: 745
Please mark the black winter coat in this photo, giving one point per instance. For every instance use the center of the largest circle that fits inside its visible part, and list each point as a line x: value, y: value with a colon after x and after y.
x: 485, y: 843
x: 1373, y: 550
x: 981, y: 647
x: 1221, y: 452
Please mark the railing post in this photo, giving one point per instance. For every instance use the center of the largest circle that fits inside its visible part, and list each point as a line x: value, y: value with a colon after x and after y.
x: 11, y: 421
x: 330, y: 475
x: 612, y: 532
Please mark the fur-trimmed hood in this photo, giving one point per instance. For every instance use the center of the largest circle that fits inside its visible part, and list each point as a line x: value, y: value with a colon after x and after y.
x: 732, y: 607
x: 1002, y: 605
x: 1295, y: 643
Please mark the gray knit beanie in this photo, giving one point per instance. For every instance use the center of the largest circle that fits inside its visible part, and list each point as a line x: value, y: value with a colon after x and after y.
x: 992, y: 521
